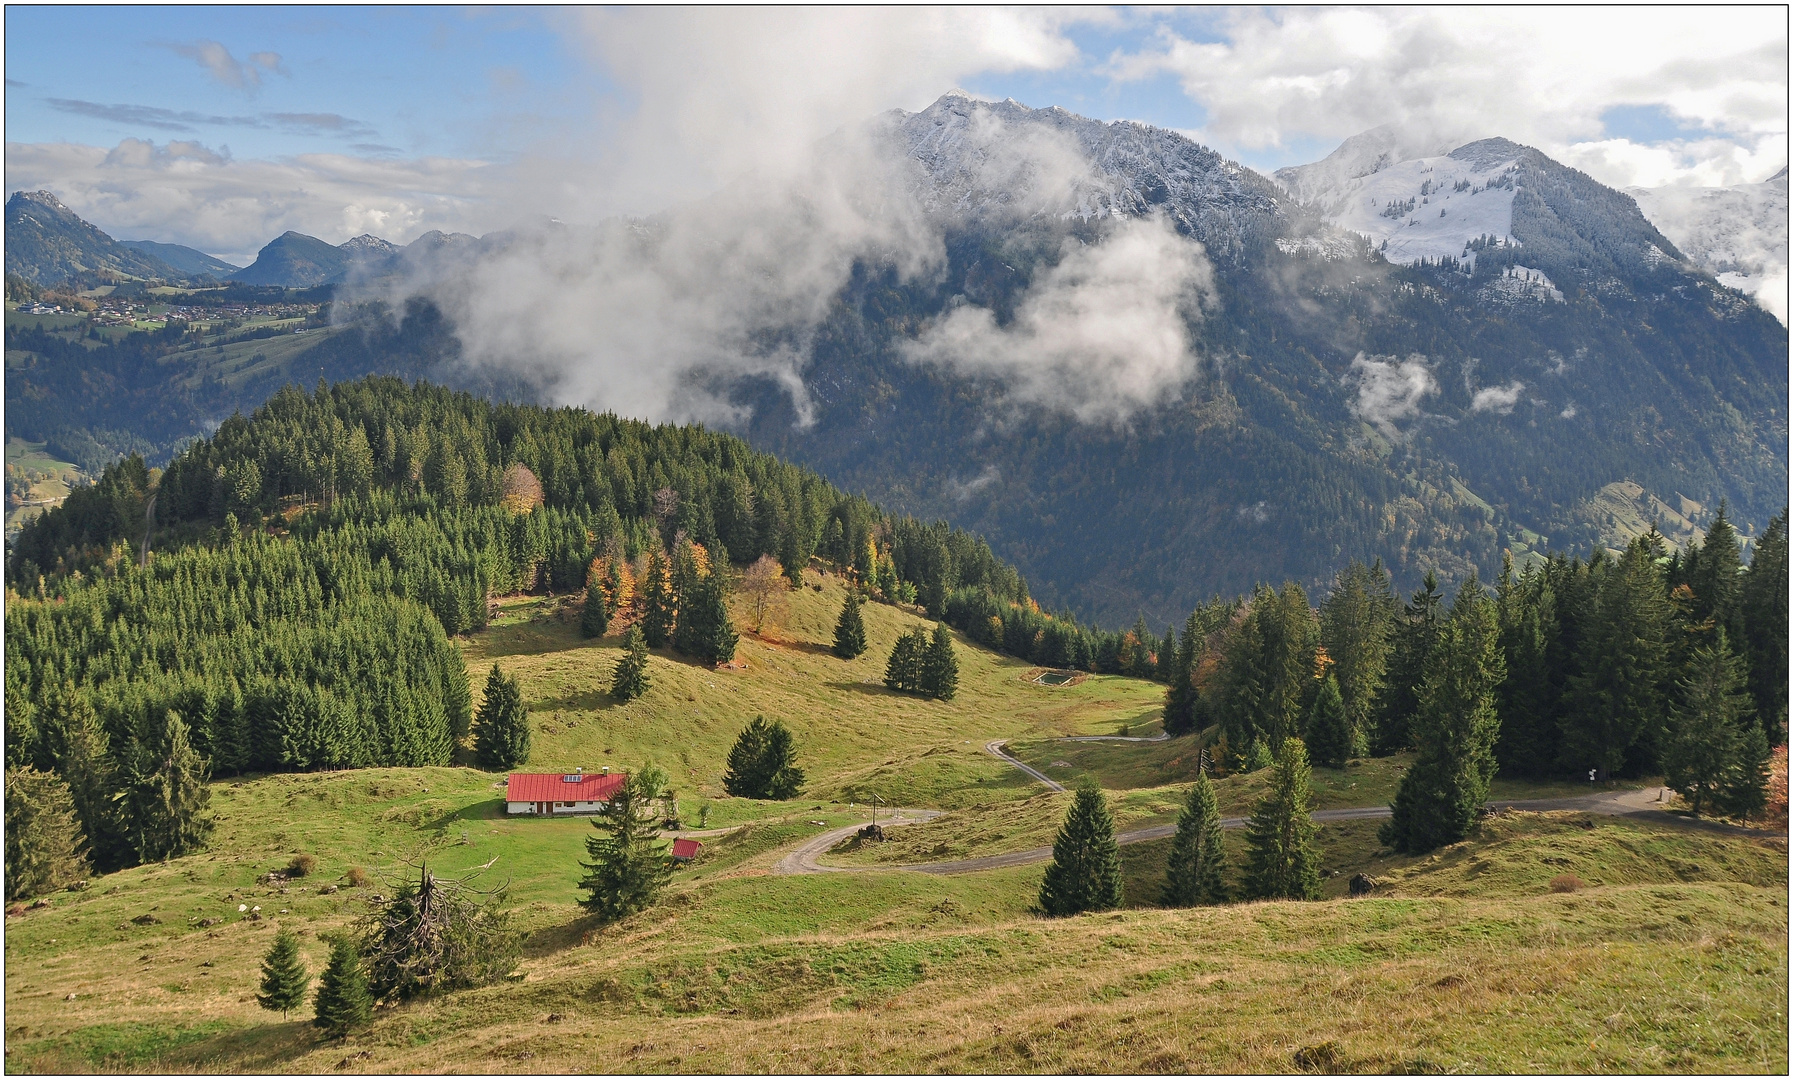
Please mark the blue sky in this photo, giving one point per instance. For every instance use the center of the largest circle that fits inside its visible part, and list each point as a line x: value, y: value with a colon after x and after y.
x: 221, y: 126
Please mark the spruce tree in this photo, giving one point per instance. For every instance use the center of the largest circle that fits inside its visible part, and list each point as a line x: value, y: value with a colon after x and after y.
x: 501, y: 735
x: 43, y: 839
x: 1415, y: 634
x: 1283, y: 860
x: 1715, y: 573
x: 631, y: 680
x: 343, y: 999
x: 167, y: 788
x: 1356, y: 625
x: 1085, y: 873
x: 284, y: 980
x: 596, y: 617
x: 1764, y: 603
x: 629, y: 865
x: 903, y: 672
x: 1328, y: 729
x: 657, y: 602
x: 1455, y: 728
x: 762, y: 764
x: 1616, y: 700
x: 1197, y: 865
x: 706, y: 630
x: 849, y: 630
x: 940, y: 667
x: 1707, y: 739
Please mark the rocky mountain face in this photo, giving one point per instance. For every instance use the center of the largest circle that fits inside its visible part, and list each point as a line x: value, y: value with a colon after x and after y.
x: 46, y: 243
x: 1471, y: 389
x: 1738, y: 233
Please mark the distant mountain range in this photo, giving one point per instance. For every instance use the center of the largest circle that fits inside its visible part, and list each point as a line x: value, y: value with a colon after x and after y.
x: 48, y: 244
x: 1421, y: 353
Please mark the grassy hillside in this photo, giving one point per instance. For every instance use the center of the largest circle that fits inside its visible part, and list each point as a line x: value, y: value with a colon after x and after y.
x: 1673, y: 956
x: 853, y: 734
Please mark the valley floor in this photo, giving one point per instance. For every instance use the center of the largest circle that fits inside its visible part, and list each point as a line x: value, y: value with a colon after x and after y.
x: 1667, y: 953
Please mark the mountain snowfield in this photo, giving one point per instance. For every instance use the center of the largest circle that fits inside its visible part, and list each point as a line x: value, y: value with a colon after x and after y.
x: 1431, y: 206
x: 1738, y: 233
x: 1418, y: 199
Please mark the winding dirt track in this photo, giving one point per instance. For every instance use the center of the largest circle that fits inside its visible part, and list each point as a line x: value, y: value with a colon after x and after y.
x: 1640, y: 803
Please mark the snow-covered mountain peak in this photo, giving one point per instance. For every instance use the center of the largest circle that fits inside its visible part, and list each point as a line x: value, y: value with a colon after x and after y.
x: 981, y: 159
x: 1737, y: 233
x: 367, y: 244
x: 1413, y: 199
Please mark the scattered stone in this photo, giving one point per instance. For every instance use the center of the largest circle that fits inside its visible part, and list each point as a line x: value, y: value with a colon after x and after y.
x: 71, y: 997
x: 1361, y: 884
x: 78, y: 886
x: 40, y: 902
x: 255, y: 916
x: 209, y: 922
x: 555, y: 1018
x: 124, y: 926
x: 242, y: 908
x: 146, y: 919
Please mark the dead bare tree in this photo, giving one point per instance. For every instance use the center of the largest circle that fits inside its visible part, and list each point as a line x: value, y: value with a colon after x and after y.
x: 439, y: 934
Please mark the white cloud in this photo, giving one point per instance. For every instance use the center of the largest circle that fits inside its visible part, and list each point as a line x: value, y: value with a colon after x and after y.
x: 1497, y: 399
x: 1541, y: 76
x: 1100, y: 335
x: 187, y: 193
x: 726, y: 91
x: 1390, y: 389
x: 222, y: 66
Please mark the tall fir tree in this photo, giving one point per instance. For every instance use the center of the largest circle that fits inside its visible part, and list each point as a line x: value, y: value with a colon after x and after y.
x: 1530, y: 736
x: 631, y: 678
x: 86, y: 762
x: 501, y: 734
x: 1415, y: 634
x: 595, y: 618
x: 1616, y: 700
x: 1329, y: 736
x: 1195, y: 871
x: 1085, y: 872
x: 1455, y: 728
x: 284, y: 981
x: 849, y: 629
x: 1707, y: 737
x: 762, y: 764
x: 657, y: 603
x: 167, y: 789
x: 628, y: 865
x: 903, y: 671
x: 940, y: 667
x: 1356, y: 625
x: 1764, y: 602
x: 1714, y: 571
x: 1283, y: 859
x: 344, y: 1001
x: 706, y: 630
x: 44, y: 845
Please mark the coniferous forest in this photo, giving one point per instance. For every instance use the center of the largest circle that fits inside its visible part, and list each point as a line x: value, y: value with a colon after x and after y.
x: 284, y: 594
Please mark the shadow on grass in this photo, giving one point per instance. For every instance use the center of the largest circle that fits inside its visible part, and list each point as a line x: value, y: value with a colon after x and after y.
x: 557, y: 939
x: 874, y: 689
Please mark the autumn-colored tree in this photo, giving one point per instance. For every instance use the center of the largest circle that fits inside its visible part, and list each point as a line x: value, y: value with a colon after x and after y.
x: 766, y: 592
x: 522, y: 492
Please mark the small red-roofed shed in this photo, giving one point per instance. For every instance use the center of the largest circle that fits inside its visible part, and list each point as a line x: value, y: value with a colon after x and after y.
x: 577, y: 792
x: 684, y: 850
